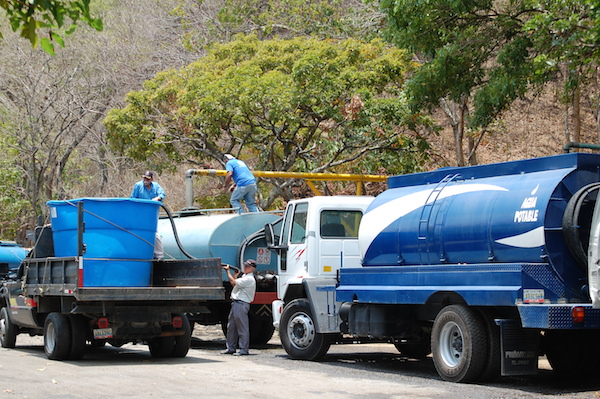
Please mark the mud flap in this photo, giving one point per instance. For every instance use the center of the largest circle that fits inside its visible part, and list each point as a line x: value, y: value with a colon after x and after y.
x: 519, y: 348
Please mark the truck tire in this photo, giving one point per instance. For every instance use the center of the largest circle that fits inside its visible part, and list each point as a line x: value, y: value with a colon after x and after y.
x: 183, y: 342
x: 492, y: 369
x: 261, y: 330
x: 161, y: 347
x: 8, y: 331
x: 57, y: 336
x: 459, y: 344
x: 79, y: 330
x: 298, y: 333
x: 572, y: 353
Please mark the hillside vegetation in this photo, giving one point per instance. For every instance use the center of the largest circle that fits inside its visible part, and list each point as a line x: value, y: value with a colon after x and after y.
x: 488, y: 79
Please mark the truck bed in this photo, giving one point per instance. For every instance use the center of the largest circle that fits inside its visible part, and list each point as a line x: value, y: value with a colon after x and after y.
x: 194, y: 279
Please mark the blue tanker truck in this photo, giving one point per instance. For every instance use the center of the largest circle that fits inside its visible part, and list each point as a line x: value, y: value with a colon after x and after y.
x: 485, y: 267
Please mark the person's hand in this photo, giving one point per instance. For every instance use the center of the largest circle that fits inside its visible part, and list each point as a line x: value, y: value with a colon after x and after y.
x: 231, y: 188
x: 226, y: 267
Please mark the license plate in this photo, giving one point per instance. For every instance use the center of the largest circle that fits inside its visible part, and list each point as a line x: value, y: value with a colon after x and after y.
x: 103, y: 333
x: 533, y: 296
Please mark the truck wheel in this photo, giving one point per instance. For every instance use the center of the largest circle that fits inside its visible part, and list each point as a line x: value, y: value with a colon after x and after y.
x: 492, y: 368
x: 161, y: 347
x: 183, y: 342
x: 572, y: 353
x: 298, y: 332
x: 8, y: 331
x: 459, y: 344
x: 261, y: 331
x: 57, y: 336
x: 79, y: 331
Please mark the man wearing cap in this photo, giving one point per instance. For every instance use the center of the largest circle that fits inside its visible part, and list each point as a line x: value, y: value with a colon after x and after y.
x: 244, y: 183
x: 148, y: 189
x: 238, y: 325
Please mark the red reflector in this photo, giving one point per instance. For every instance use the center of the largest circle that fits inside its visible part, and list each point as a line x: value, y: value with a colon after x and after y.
x: 578, y: 314
x: 177, y: 321
x: 103, y: 322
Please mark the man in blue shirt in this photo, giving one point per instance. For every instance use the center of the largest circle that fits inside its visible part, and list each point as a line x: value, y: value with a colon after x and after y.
x: 150, y: 190
x: 244, y: 184
x: 147, y: 188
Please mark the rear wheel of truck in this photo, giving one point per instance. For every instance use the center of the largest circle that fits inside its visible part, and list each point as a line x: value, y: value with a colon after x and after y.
x: 298, y: 333
x: 459, y: 343
x: 8, y: 331
x: 57, y: 336
x: 161, y: 347
x: 183, y: 342
x: 78, y: 336
x: 572, y: 353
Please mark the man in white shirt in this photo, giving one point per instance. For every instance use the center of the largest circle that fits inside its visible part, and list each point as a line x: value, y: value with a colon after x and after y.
x: 238, y: 326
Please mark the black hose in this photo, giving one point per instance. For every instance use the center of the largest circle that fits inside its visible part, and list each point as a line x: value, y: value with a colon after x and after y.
x: 175, y: 233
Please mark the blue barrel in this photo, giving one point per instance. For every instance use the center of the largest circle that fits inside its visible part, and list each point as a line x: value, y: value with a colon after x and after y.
x: 119, y: 237
x: 503, y: 213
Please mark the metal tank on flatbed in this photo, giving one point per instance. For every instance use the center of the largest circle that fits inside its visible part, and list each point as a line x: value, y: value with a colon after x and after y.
x: 234, y: 238
x: 530, y: 211
x: 213, y: 235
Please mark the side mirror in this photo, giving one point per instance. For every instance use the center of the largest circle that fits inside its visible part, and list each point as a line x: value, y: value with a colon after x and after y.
x: 270, y: 238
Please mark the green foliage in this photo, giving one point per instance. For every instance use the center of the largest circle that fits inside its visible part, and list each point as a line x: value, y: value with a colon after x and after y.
x: 493, y: 52
x: 52, y: 16
x: 298, y: 105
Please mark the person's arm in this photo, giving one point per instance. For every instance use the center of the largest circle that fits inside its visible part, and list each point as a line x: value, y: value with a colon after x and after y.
x: 228, y: 178
x: 232, y: 279
x: 160, y: 193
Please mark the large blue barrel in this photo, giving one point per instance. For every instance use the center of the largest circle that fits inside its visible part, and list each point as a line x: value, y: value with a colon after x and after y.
x: 504, y: 213
x: 119, y: 238
x: 219, y: 236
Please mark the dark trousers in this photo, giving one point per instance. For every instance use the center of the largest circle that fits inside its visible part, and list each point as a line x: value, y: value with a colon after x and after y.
x: 238, y: 327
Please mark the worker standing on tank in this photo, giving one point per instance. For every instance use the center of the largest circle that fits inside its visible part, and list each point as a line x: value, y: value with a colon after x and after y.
x: 244, y: 184
x: 148, y: 189
x: 238, y: 324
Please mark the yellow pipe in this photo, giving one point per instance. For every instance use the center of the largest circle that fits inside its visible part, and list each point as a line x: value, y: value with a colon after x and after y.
x: 310, y: 177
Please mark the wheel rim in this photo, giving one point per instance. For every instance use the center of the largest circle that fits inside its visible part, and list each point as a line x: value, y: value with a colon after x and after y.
x: 50, y: 337
x: 301, y: 330
x: 451, y: 344
x: 2, y: 327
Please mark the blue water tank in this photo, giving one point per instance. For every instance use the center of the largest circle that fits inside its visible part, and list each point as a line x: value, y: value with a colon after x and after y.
x: 504, y: 213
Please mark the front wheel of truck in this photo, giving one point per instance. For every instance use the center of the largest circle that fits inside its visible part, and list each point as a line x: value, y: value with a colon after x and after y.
x: 298, y: 333
x: 57, y: 336
x: 8, y: 331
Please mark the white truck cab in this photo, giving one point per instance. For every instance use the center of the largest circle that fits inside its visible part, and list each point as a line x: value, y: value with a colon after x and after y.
x: 319, y: 236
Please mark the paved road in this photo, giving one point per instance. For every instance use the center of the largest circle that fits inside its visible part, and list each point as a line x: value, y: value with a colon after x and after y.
x: 348, y: 371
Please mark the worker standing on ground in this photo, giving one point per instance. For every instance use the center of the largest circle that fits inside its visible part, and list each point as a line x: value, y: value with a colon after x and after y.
x: 238, y: 325
x: 244, y: 184
x: 150, y: 190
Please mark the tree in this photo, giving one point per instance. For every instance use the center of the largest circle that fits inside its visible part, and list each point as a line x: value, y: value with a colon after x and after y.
x: 482, y: 55
x: 288, y: 105
x: 52, y: 16
x: 207, y: 22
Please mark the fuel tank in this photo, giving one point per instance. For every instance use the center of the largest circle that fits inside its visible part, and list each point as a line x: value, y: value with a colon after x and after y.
x: 531, y: 211
x: 232, y: 237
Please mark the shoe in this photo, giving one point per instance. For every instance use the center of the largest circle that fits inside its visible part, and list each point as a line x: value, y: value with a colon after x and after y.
x: 228, y: 352
x: 241, y: 354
